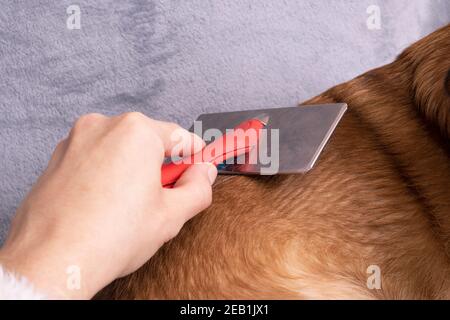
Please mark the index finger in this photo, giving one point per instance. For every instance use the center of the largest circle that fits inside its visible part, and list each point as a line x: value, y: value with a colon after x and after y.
x: 177, y: 141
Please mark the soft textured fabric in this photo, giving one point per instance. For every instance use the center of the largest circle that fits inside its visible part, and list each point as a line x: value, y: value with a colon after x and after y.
x: 173, y: 60
x: 14, y: 287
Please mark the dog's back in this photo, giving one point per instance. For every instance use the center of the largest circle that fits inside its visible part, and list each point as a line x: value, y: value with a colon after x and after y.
x: 379, y: 197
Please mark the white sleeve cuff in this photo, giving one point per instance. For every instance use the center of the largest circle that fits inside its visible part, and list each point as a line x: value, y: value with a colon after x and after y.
x: 15, y: 287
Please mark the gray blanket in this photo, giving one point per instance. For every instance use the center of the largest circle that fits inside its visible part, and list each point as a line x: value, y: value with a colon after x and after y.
x: 173, y: 60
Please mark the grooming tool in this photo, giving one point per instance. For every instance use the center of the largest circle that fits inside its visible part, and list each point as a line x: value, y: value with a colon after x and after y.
x: 302, y: 133
x: 232, y: 144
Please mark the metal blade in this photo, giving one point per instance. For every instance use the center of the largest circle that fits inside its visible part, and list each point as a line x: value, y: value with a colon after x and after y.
x: 303, y: 133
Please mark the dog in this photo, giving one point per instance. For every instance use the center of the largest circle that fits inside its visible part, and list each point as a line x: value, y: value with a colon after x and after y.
x: 370, y: 221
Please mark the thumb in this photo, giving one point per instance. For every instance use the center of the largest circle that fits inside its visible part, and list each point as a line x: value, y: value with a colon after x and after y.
x: 192, y: 192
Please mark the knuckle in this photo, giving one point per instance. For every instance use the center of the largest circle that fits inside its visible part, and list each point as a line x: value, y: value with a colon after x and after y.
x: 169, y: 224
x: 172, y: 230
x: 202, y: 193
x: 135, y: 123
x: 178, y: 135
x: 174, y: 127
x: 134, y: 118
x: 139, y: 130
x: 88, y: 120
x: 84, y: 124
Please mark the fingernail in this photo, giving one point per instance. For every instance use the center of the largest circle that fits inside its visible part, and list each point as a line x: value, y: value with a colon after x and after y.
x: 212, y: 173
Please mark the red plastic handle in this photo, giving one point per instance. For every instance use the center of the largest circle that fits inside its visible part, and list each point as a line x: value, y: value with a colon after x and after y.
x: 233, y: 144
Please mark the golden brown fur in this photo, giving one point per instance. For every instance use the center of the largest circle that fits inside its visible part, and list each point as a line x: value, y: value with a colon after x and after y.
x: 379, y: 195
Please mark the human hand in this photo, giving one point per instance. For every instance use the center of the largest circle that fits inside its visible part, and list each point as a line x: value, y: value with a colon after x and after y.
x: 100, y: 207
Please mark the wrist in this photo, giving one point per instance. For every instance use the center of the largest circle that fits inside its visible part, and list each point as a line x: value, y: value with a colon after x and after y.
x: 56, y: 274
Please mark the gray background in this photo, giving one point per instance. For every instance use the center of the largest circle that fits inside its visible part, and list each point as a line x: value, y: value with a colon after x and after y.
x: 173, y: 60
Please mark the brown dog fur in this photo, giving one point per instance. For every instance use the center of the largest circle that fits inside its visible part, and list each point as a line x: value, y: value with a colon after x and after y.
x: 379, y: 195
